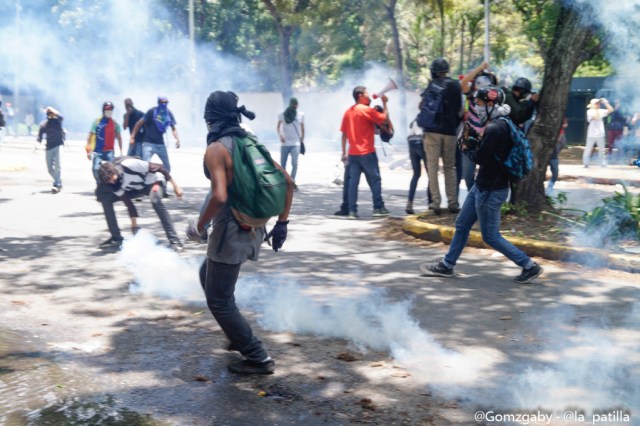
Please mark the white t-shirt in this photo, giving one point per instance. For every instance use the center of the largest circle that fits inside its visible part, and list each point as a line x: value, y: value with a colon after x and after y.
x: 292, y: 132
x: 596, y: 124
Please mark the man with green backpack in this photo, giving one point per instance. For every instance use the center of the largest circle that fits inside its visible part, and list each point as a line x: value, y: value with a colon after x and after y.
x: 247, y: 189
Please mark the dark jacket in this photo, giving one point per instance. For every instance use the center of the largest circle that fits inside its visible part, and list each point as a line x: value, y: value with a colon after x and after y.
x: 52, y: 129
x: 521, y: 111
x: 496, y: 141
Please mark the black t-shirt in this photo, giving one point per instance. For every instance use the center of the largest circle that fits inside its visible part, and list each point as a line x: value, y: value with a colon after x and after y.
x: 151, y: 132
x: 134, y: 117
x: 496, y: 140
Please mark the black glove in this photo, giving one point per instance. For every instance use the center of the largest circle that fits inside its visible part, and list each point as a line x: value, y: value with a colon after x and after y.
x: 278, y: 235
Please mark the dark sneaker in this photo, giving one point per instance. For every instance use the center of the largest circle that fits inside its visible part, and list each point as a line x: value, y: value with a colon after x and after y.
x: 341, y: 213
x: 382, y: 212
x: 437, y: 269
x: 251, y: 367
x: 353, y: 216
x: 528, y: 275
x: 295, y: 187
x: 111, y: 242
x: 409, y: 209
x: 454, y: 210
x: 437, y: 211
x: 54, y: 190
x: 177, y: 247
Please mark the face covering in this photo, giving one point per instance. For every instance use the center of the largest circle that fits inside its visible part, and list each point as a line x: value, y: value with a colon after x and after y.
x: 108, y: 114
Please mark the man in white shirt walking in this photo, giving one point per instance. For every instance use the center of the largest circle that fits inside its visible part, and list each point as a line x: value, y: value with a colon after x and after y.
x: 290, y: 128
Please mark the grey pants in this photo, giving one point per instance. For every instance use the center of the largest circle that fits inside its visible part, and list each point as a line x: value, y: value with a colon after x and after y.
x: 219, y: 283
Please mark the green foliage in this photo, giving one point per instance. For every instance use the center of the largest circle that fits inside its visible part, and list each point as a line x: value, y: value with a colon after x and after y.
x: 519, y: 209
x: 618, y: 217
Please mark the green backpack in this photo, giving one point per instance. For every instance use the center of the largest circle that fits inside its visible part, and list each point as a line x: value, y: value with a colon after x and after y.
x: 258, y: 189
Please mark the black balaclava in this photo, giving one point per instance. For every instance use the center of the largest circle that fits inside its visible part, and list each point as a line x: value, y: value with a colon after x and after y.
x: 222, y: 115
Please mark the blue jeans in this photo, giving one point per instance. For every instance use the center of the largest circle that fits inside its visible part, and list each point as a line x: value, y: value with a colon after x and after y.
x: 148, y: 149
x: 97, y: 158
x: 294, y: 151
x: 468, y: 171
x: 53, y: 165
x: 553, y: 165
x: 485, y: 207
x: 417, y: 155
x: 367, y: 164
x: 135, y: 150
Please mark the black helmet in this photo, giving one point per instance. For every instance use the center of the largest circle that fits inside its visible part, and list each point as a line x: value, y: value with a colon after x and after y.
x: 490, y: 93
x: 522, y: 84
x: 107, y: 106
x: 439, y: 66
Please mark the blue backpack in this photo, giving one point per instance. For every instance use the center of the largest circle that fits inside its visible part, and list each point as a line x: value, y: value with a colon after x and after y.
x: 519, y: 162
x: 431, y: 115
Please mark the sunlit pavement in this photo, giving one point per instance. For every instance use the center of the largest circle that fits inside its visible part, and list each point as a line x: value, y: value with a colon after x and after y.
x: 427, y: 349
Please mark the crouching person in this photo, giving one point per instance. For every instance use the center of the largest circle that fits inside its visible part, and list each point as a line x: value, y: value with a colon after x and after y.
x: 126, y: 178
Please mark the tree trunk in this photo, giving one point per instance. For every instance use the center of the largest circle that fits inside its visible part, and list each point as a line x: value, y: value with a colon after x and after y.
x: 563, y: 57
x: 401, y: 123
x: 461, y: 68
x: 285, y: 63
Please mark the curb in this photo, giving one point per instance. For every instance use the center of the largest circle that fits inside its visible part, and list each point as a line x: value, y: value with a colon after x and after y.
x: 547, y: 250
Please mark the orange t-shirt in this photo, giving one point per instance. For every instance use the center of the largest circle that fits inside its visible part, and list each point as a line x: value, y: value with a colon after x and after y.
x: 358, y: 124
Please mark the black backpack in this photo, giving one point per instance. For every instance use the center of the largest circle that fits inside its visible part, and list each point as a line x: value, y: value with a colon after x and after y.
x: 432, y: 112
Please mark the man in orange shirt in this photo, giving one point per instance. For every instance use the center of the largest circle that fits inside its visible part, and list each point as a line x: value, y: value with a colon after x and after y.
x: 358, y: 126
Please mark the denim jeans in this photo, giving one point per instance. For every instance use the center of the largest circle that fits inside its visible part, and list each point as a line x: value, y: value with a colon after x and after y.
x: 135, y: 150
x: 294, y: 151
x: 468, y: 171
x: 97, y: 158
x: 53, y: 165
x: 344, y: 207
x: 417, y: 156
x: 553, y: 165
x: 485, y: 207
x: 367, y: 164
x: 148, y: 149
x: 218, y: 281
x: 108, y: 198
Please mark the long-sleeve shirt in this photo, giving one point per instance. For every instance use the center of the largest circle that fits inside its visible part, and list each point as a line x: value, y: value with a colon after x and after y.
x: 52, y: 129
x: 496, y: 142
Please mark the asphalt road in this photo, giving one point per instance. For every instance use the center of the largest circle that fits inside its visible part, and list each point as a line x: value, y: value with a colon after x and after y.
x: 357, y: 334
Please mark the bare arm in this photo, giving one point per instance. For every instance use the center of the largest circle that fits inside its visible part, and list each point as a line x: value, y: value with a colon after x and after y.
x: 465, y: 83
x: 284, y: 216
x: 119, y: 137
x: 175, y: 135
x: 218, y: 162
x: 134, y: 132
x: 278, y: 131
x: 88, y: 147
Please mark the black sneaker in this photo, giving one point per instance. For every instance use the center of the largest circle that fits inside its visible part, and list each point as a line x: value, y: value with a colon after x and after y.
x: 437, y: 269
x: 437, y: 211
x: 341, y: 213
x: 454, y: 210
x: 252, y: 367
x: 111, y: 242
x: 528, y: 275
x: 381, y: 212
